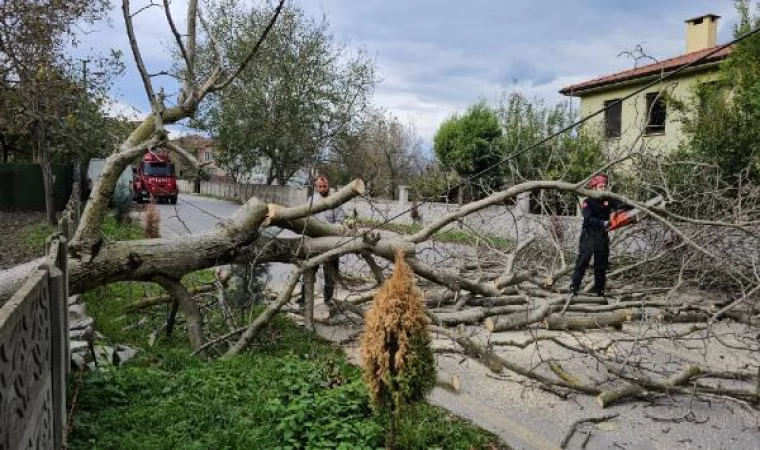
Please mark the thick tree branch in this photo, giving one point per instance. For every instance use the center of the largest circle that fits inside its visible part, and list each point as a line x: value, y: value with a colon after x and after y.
x: 136, y: 52
x: 175, y: 31
x: 190, y: 308
x: 346, y: 193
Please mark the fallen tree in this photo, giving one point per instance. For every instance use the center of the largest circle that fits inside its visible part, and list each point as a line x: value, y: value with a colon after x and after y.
x: 481, y: 289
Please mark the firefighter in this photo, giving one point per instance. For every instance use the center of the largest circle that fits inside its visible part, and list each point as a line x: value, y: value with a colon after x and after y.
x: 594, y: 239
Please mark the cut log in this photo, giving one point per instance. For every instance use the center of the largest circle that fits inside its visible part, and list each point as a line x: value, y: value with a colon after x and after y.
x: 589, y: 300
x: 472, y: 316
x: 607, y: 398
x: 683, y: 316
x: 448, y: 381
x: 498, y: 301
x: 602, y: 320
x: 519, y: 319
x: 703, y: 316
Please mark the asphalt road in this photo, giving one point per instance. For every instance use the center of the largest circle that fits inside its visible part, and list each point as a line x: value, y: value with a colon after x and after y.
x: 526, y: 417
x: 193, y: 214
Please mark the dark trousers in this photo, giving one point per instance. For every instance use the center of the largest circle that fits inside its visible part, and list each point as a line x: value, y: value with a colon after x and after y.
x: 330, y: 272
x: 598, y: 246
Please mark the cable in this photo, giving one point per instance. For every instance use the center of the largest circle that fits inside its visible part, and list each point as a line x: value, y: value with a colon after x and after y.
x: 662, y: 78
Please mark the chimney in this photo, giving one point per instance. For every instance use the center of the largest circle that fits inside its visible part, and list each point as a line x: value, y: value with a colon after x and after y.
x: 701, y: 32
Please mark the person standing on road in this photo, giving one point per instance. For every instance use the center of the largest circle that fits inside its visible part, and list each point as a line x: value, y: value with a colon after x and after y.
x: 331, y: 268
x: 594, y: 240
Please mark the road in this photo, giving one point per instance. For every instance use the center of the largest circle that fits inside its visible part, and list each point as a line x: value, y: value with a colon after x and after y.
x: 526, y: 417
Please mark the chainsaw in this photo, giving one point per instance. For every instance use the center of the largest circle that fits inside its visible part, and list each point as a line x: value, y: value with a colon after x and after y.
x: 620, y: 219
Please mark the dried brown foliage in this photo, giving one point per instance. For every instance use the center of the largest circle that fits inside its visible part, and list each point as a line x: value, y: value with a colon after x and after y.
x: 395, y: 347
x: 152, y: 222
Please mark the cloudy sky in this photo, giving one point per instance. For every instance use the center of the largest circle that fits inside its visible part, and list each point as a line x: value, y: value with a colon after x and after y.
x: 436, y: 57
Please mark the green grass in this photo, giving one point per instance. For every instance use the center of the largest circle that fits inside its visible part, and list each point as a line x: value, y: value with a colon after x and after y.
x: 454, y: 236
x: 36, y: 235
x: 291, y: 390
x: 125, y: 231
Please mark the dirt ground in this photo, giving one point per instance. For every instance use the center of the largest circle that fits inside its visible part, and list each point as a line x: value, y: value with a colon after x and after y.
x: 14, y: 248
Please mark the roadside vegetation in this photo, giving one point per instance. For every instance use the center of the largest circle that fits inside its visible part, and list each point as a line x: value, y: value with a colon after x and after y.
x: 290, y: 390
x: 22, y: 237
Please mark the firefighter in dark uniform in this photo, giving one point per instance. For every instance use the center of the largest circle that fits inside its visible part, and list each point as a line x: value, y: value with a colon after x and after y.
x: 594, y: 240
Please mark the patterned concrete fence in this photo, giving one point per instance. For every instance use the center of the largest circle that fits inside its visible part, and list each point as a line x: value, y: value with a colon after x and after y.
x: 34, y: 349
x: 283, y: 195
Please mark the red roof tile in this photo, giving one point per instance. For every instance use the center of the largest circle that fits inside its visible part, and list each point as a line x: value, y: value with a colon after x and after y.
x: 667, y: 65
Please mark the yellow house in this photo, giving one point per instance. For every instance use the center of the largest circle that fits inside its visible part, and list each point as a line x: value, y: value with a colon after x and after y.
x: 644, y: 122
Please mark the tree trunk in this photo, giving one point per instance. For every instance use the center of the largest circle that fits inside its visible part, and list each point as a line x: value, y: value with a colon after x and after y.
x: 83, y: 165
x: 4, y: 143
x: 48, y: 179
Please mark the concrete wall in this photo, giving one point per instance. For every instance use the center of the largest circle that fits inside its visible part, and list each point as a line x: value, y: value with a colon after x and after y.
x: 34, y: 344
x: 283, y: 195
x: 504, y: 221
x: 512, y: 222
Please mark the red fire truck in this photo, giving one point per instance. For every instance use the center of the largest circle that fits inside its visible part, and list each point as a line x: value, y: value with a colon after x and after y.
x: 154, y: 178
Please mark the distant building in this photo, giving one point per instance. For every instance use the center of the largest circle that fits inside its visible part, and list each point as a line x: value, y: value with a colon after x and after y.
x: 645, y: 120
x: 205, y: 151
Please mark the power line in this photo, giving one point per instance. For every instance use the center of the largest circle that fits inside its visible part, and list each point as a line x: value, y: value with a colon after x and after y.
x: 581, y: 121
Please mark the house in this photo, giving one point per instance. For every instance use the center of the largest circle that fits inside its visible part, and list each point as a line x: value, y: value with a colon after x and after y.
x: 205, y: 151
x: 645, y: 121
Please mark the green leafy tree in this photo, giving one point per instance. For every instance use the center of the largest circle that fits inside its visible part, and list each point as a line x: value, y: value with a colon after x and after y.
x: 720, y: 119
x: 37, y: 93
x: 286, y: 109
x: 469, y: 144
x: 570, y: 156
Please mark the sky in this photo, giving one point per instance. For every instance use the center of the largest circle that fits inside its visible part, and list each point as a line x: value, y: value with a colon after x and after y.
x: 434, y: 58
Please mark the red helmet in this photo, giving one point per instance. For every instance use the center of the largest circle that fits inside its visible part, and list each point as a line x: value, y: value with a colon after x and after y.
x: 597, y: 180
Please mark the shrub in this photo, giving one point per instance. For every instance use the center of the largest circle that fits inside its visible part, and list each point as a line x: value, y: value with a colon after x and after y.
x: 397, y: 360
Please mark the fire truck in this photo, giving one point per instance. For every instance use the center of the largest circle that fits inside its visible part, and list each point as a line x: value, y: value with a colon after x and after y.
x: 154, y: 177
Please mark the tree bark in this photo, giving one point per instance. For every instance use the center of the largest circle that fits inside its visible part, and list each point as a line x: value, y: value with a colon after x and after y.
x: 593, y: 321
x: 519, y: 319
x: 48, y: 179
x: 189, y: 307
x: 309, y: 277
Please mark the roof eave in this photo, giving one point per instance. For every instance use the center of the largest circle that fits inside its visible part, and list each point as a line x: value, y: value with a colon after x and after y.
x: 633, y: 80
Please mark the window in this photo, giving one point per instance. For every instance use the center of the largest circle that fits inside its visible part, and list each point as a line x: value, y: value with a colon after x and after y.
x: 208, y: 156
x: 612, y: 118
x: 656, y: 113
x: 159, y: 169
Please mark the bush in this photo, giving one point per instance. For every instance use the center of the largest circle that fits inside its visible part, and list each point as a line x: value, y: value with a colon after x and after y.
x: 398, y: 362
